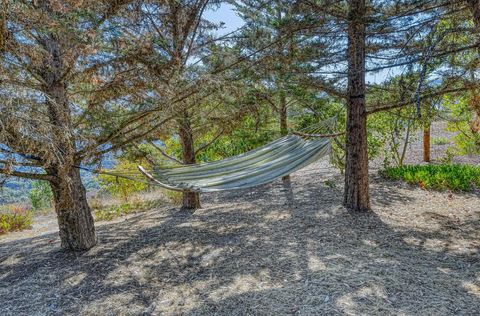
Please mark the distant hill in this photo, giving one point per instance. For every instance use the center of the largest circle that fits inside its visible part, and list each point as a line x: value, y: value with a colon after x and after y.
x: 16, y: 189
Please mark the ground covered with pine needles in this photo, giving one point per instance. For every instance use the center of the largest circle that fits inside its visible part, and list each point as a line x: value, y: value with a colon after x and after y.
x: 282, y: 249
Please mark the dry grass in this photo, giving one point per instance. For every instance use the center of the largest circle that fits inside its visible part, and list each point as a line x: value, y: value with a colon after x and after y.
x: 275, y: 250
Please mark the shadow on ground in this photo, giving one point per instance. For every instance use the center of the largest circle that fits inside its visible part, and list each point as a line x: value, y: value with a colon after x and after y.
x: 283, y: 249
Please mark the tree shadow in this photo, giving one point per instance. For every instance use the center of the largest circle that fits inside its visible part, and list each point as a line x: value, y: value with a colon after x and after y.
x: 285, y: 248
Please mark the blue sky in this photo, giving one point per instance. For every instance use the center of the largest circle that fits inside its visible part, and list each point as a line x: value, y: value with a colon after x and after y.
x: 226, y: 14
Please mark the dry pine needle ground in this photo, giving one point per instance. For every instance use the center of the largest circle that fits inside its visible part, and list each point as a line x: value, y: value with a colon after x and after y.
x: 276, y: 250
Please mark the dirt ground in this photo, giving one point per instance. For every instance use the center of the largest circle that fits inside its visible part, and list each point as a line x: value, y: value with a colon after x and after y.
x: 280, y: 249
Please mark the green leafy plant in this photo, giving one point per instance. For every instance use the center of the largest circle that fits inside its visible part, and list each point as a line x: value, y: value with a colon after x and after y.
x: 121, y: 187
x: 448, y: 157
x: 467, y: 138
x: 390, y: 133
x: 40, y: 195
x: 440, y: 141
x: 19, y: 218
x: 441, y: 177
x: 330, y: 183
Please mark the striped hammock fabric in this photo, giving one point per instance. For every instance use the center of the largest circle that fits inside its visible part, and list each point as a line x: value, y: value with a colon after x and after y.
x: 260, y: 166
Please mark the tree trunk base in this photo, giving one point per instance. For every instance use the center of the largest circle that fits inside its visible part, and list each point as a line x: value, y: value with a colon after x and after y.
x: 191, y: 200
x: 75, y: 221
x: 426, y: 144
x: 76, y: 230
x: 357, y: 208
x: 356, y: 195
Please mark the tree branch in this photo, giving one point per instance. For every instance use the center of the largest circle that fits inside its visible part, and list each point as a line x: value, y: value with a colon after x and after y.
x: 408, y: 102
x: 210, y: 142
x: 27, y: 175
x: 165, y: 154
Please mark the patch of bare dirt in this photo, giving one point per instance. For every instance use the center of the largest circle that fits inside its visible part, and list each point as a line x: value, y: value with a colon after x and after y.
x: 280, y: 249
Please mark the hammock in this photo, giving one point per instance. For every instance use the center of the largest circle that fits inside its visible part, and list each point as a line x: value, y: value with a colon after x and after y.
x: 260, y: 166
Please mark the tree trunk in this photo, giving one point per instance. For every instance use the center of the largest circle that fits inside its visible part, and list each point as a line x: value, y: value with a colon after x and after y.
x: 283, y: 113
x: 426, y: 143
x: 191, y: 200
x: 75, y: 221
x: 474, y: 6
x: 283, y: 121
x: 356, y: 195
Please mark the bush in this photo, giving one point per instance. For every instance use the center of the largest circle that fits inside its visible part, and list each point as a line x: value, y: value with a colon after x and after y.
x: 467, y: 138
x: 441, y: 141
x: 441, y: 177
x: 40, y: 195
x: 121, y: 187
x: 18, y: 219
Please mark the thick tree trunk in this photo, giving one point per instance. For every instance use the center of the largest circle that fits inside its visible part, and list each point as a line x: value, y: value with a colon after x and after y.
x: 75, y: 221
x: 426, y: 143
x: 474, y: 6
x: 283, y: 120
x: 191, y: 200
x: 356, y: 195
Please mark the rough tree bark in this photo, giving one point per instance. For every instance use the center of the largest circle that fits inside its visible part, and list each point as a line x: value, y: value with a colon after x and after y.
x: 283, y: 114
x: 282, y: 109
x: 191, y: 200
x: 356, y: 195
x: 426, y: 143
x: 474, y: 6
x: 75, y: 221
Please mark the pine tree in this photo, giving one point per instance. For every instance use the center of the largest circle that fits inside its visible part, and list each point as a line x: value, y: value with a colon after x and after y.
x: 65, y: 78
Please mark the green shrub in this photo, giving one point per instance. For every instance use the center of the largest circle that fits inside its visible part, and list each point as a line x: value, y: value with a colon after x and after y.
x: 17, y: 219
x: 330, y: 183
x: 466, y: 138
x: 40, y: 195
x: 121, y: 187
x: 441, y: 141
x: 441, y: 177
